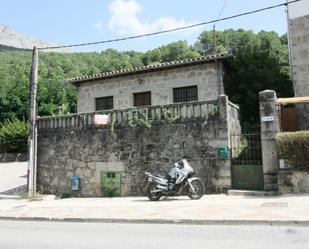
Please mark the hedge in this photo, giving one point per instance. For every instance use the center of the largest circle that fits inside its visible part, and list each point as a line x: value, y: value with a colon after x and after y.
x: 294, y: 147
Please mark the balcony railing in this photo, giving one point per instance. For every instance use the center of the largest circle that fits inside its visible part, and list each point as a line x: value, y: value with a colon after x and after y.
x: 186, y: 110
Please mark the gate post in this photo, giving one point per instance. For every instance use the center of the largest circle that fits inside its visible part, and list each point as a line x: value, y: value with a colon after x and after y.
x: 269, y: 128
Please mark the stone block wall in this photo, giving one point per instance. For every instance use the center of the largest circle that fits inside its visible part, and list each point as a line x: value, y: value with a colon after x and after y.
x: 299, y: 33
x: 85, y: 152
x: 207, y: 77
x: 13, y: 157
x: 293, y: 181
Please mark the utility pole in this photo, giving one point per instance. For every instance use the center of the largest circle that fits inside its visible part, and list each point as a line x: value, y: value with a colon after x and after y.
x: 32, y: 167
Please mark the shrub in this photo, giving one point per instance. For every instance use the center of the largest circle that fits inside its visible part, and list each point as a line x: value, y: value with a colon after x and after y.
x: 13, y: 135
x: 294, y: 146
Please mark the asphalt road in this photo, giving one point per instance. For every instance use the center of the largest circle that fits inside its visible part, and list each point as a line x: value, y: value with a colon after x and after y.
x: 56, y: 235
x: 12, y: 175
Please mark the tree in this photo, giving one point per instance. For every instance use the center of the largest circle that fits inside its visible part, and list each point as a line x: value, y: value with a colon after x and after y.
x: 261, y: 62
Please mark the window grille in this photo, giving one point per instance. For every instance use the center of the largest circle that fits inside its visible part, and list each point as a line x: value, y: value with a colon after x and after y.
x: 104, y: 103
x: 185, y: 94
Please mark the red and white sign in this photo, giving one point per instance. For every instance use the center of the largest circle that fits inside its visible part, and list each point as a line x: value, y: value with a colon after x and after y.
x: 100, y: 119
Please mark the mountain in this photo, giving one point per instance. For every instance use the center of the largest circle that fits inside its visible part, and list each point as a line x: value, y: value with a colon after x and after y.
x: 11, y: 39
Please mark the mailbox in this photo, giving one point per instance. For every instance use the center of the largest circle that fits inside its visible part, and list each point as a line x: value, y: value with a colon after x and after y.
x: 74, y: 182
x: 223, y: 152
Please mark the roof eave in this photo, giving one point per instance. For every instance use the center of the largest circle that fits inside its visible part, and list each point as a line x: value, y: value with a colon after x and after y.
x: 161, y: 67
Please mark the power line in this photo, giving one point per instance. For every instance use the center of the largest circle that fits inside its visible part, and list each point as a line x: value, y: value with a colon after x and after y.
x: 171, y: 30
x: 214, y: 27
x: 221, y: 12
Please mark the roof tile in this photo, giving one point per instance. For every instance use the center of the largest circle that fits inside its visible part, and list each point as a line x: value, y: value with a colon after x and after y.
x: 162, y: 66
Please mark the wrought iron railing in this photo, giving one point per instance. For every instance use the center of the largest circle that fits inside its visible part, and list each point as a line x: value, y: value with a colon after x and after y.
x: 246, y: 149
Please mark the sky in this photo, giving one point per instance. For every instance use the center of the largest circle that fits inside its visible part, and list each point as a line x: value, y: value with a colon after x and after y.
x: 79, y: 21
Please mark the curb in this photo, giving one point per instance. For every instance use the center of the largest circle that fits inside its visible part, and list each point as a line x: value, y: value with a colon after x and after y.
x: 10, y: 197
x: 164, y: 221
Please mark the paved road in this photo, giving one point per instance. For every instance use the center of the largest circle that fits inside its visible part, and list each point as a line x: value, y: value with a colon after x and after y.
x: 12, y: 175
x: 55, y: 235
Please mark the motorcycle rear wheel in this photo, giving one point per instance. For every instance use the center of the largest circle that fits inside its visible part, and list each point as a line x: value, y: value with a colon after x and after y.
x: 153, y: 196
x: 199, y: 190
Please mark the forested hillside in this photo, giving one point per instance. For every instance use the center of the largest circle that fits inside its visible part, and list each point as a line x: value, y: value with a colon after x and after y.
x: 261, y: 63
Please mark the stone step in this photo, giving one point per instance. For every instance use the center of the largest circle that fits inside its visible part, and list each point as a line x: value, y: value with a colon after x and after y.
x: 251, y: 193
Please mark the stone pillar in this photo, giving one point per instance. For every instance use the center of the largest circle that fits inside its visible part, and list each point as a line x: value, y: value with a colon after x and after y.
x: 269, y: 128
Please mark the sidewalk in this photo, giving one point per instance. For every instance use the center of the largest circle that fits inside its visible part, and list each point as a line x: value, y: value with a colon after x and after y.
x: 211, y: 209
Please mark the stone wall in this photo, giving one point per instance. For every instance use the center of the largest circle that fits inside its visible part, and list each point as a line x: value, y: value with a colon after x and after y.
x: 207, y: 77
x: 293, y: 181
x: 299, y: 33
x: 13, y: 157
x: 234, y: 120
x: 269, y: 121
x: 85, y: 152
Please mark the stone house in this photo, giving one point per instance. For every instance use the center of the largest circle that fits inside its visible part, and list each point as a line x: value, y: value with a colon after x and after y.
x: 188, y: 116
x: 172, y: 82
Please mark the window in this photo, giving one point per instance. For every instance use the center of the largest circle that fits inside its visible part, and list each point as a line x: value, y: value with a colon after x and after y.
x: 105, y: 103
x: 111, y: 175
x: 185, y: 94
x: 142, y: 99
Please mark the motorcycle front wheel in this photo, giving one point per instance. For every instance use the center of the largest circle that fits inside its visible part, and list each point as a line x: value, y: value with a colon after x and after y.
x: 198, y: 192
x: 153, y: 196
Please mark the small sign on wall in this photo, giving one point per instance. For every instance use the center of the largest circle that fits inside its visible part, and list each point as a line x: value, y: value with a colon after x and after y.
x: 268, y: 119
x: 101, y: 119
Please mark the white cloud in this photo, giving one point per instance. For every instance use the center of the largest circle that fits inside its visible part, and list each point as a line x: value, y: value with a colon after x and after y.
x: 125, y: 19
x: 98, y: 26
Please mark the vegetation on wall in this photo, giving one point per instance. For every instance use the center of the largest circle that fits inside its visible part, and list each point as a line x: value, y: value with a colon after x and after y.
x: 261, y: 62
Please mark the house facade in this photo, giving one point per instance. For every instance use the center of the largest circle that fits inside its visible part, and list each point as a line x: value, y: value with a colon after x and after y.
x: 156, y: 115
x: 173, y: 82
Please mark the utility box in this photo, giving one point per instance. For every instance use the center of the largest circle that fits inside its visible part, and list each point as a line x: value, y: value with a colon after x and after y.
x: 75, y: 182
x: 223, y: 152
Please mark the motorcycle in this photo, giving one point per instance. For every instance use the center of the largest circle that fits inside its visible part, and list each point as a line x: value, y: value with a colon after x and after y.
x: 179, y: 181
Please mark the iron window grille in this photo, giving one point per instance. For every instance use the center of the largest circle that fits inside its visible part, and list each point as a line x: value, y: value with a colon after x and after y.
x: 185, y: 94
x: 104, y: 103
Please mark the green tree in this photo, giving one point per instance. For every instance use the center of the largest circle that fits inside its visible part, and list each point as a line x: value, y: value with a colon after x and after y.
x: 261, y: 62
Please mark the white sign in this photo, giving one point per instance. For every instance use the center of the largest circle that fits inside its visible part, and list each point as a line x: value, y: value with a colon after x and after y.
x: 100, y: 119
x: 268, y: 118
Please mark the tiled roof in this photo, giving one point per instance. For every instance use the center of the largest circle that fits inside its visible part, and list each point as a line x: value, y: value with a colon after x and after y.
x: 156, y: 67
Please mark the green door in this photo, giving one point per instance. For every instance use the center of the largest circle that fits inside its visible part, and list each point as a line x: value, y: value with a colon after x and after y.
x: 111, y: 183
x: 246, y: 160
x: 247, y: 177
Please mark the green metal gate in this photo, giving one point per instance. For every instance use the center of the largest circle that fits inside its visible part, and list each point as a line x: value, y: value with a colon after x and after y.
x: 111, y: 183
x: 246, y: 160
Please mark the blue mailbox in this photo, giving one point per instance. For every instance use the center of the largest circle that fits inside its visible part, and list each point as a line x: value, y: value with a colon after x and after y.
x: 74, y: 182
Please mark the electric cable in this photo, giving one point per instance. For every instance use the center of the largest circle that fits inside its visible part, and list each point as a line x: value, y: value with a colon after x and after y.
x: 171, y: 30
x: 221, y: 12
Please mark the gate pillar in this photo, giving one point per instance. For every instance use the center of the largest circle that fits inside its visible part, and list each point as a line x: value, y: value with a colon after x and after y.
x: 269, y: 128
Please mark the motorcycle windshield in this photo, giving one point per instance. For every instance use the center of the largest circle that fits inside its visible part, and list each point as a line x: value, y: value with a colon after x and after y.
x: 187, y: 166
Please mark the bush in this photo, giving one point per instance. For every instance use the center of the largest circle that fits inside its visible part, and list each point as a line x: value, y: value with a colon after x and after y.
x: 294, y: 147
x: 13, y: 135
